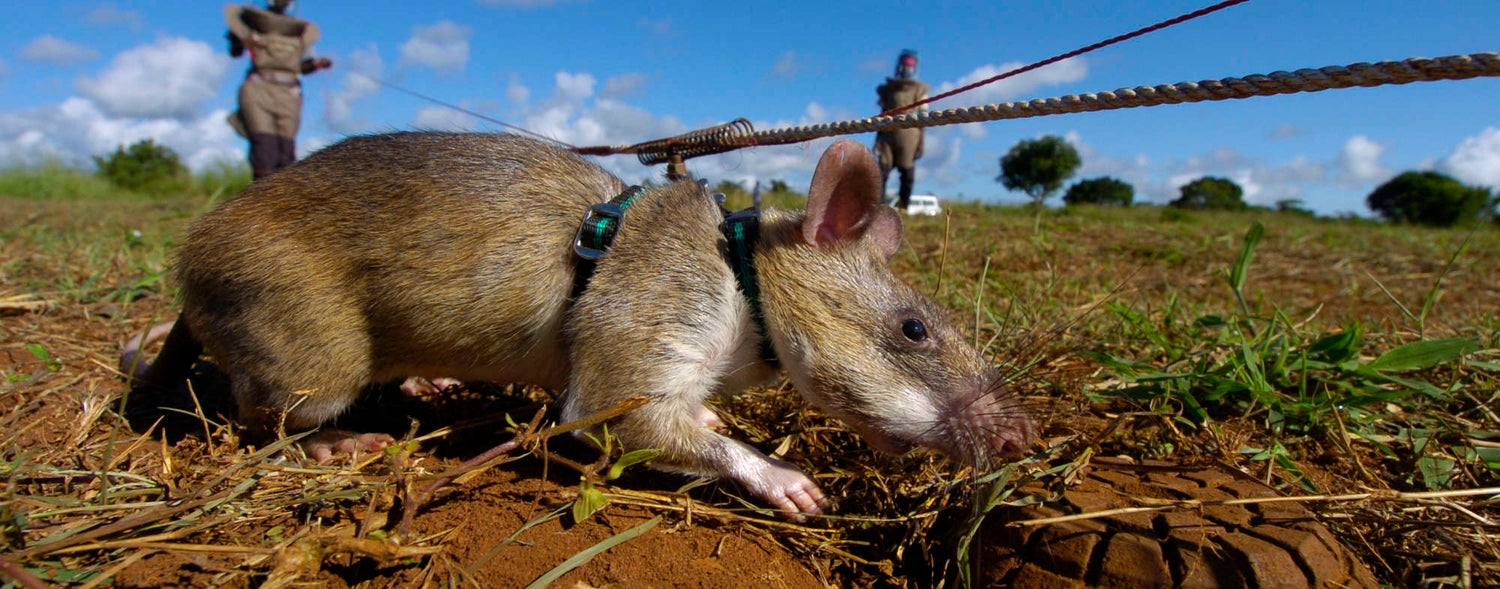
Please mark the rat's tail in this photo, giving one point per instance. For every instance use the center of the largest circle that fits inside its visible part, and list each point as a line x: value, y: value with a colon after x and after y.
x: 177, y: 354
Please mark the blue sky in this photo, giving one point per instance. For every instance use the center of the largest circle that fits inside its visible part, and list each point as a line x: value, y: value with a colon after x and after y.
x: 79, y: 77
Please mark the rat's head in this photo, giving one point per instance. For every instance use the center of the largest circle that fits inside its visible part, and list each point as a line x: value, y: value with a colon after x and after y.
x: 865, y: 346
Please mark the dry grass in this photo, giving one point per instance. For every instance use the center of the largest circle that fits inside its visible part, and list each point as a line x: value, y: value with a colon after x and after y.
x: 95, y: 495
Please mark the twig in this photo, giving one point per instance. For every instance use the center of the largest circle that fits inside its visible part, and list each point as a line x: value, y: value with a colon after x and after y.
x: 623, y: 497
x: 149, y: 516
x: 21, y: 575
x: 943, y: 261
x: 1338, y: 416
x: 529, y: 438
x: 134, y: 557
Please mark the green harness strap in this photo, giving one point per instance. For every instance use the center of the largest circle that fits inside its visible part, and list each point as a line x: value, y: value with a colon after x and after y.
x: 741, y: 230
x: 597, y: 233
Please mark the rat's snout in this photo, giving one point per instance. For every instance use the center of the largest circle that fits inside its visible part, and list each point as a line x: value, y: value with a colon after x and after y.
x: 984, y: 423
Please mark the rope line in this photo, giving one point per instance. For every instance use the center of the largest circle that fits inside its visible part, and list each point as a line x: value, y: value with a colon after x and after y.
x: 1416, y: 69
x: 460, y: 109
x: 1074, y: 53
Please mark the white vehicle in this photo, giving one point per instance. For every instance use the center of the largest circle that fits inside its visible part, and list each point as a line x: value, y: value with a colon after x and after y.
x: 924, y: 204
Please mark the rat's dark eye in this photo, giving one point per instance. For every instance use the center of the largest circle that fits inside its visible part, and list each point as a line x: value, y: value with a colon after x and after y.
x: 914, y: 330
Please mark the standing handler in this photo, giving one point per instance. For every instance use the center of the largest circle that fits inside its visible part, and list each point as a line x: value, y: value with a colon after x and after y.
x: 271, y: 95
x: 901, y: 148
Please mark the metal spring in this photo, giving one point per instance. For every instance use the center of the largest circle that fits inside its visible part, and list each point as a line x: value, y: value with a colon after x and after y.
x: 728, y: 136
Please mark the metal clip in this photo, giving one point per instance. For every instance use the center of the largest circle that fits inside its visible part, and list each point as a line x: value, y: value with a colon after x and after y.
x: 594, y: 222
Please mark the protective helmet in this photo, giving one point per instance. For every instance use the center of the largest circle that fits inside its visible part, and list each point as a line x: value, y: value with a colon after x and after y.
x: 906, y: 64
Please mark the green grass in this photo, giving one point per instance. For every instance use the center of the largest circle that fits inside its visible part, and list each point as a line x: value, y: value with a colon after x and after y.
x: 1304, y: 350
x: 55, y: 181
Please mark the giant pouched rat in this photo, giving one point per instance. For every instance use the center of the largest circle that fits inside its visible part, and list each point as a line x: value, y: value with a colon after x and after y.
x: 447, y: 254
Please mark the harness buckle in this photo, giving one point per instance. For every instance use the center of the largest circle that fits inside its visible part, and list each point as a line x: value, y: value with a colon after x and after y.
x: 590, y: 244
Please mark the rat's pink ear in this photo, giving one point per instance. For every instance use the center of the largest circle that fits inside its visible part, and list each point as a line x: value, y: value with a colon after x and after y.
x: 843, y: 202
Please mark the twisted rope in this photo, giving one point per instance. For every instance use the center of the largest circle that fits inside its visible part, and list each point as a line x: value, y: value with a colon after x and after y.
x: 1074, y: 53
x: 1416, y: 69
x: 1419, y: 69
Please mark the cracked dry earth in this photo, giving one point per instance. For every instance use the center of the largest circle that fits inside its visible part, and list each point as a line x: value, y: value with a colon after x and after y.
x: 1255, y: 544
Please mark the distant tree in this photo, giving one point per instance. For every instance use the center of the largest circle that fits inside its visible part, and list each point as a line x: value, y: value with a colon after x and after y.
x: 1038, y: 167
x: 1430, y: 198
x: 1210, y: 193
x: 143, y: 166
x: 1293, y: 206
x: 1100, y: 191
x: 780, y: 186
x: 730, y: 188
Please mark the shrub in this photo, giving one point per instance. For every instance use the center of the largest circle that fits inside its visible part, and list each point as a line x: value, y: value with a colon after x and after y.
x: 1294, y: 206
x: 1210, y: 193
x: 1429, y: 198
x: 1100, y: 191
x: 144, y: 167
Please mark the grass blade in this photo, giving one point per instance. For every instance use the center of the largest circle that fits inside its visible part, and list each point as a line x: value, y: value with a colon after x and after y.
x: 579, y: 559
x: 1247, y: 251
x: 1424, y: 354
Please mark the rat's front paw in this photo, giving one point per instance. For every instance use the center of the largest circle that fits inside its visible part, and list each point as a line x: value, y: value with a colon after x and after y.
x: 788, y: 488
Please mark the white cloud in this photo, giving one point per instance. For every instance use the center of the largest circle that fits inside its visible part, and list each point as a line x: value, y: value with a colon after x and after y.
x: 623, y: 86
x: 876, y: 65
x: 516, y: 92
x: 50, y: 49
x: 1359, y: 162
x: 941, y: 163
x: 442, y: 118
x: 168, y: 78
x: 72, y: 131
x: 1476, y: 160
x: 357, y: 83
x: 787, y: 66
x: 1062, y: 72
x: 575, y: 115
x: 440, y: 46
x: 1263, y: 183
x: 108, y: 15
x: 1285, y: 131
x: 575, y: 86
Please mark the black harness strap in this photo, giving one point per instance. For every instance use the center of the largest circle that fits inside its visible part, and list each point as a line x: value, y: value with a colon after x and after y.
x: 602, y: 221
x: 742, y: 229
x: 597, y: 233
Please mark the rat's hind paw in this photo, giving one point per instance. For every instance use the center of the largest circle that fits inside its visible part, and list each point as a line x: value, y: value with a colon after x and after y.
x: 417, y: 386
x: 322, y: 446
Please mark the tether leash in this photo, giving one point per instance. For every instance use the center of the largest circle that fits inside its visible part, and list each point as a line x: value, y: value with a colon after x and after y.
x: 741, y: 230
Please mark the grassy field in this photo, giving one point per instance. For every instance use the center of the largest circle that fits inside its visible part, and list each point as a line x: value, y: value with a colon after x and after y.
x: 1321, y: 357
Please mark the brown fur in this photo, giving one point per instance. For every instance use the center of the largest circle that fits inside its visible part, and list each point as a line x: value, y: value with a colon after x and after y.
x: 439, y: 254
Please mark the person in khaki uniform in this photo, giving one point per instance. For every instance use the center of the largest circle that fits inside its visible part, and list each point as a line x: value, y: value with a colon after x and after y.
x: 271, y: 96
x: 901, y: 148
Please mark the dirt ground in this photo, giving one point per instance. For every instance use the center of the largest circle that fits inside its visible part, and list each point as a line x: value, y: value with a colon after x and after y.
x: 477, y: 522
x: 137, y: 496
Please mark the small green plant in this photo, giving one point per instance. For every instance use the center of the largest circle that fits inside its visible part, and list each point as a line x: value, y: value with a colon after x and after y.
x: 590, y: 498
x: 1242, y: 365
x: 40, y: 351
x: 144, y: 166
